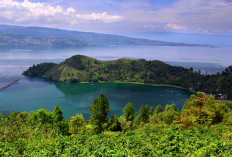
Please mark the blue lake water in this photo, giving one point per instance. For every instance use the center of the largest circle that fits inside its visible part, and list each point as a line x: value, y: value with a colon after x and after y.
x: 33, y: 93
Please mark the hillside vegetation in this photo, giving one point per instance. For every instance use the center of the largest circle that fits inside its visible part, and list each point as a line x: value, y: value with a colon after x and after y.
x: 81, y: 68
x: 202, y: 128
x: 16, y: 35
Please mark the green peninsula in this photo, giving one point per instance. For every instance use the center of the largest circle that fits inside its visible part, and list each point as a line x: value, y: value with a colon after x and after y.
x: 80, y: 68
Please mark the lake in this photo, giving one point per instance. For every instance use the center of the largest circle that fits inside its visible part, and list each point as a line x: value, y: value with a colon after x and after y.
x: 33, y: 93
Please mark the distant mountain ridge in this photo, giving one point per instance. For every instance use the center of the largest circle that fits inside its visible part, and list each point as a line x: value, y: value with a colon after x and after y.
x: 22, y: 39
x: 10, y: 35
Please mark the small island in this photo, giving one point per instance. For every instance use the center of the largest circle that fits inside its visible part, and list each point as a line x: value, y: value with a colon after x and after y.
x: 80, y: 68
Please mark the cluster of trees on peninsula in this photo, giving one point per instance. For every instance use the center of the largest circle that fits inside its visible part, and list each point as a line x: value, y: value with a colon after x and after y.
x: 203, y: 127
x: 81, y: 68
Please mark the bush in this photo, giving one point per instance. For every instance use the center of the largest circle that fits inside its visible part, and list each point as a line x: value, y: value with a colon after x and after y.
x: 76, y: 124
x: 125, y: 125
x: 114, y: 123
x: 170, y: 114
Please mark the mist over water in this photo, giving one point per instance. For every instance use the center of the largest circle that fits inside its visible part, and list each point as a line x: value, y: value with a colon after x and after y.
x: 33, y: 93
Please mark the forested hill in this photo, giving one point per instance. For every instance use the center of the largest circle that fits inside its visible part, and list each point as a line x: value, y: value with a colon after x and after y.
x: 12, y: 35
x: 81, y: 68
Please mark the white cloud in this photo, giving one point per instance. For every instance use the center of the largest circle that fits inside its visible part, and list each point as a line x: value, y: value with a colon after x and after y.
x: 70, y: 10
x: 209, y: 15
x: 149, y: 26
x: 103, y: 17
x: 174, y: 26
x: 30, y: 12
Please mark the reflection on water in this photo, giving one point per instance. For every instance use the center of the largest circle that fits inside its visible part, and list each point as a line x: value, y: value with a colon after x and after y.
x: 76, y: 98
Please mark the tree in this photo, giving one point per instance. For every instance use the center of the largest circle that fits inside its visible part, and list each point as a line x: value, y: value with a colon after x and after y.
x: 76, y: 124
x: 200, y: 109
x: 59, y: 120
x: 41, y: 117
x: 99, y: 110
x: 143, y: 113
x: 170, y: 113
x: 114, y: 123
x: 191, y: 69
x: 171, y: 107
x: 151, y: 112
x: 129, y: 112
x: 57, y: 114
x: 125, y: 125
x: 155, y: 118
x: 159, y: 109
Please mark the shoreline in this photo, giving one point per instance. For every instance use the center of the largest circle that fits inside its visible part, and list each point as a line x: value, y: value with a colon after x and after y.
x: 125, y: 82
x: 144, y: 84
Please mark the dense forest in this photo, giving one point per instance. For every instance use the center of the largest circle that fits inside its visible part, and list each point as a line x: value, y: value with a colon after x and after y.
x: 81, y: 68
x: 202, y: 128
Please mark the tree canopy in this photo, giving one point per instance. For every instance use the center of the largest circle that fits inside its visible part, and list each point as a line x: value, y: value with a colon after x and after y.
x: 99, y: 110
x: 129, y: 112
x: 58, y: 114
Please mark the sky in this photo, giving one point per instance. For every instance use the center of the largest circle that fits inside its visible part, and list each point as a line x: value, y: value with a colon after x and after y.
x: 122, y: 16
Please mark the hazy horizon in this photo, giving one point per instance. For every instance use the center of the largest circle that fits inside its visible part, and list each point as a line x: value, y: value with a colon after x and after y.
x: 190, y: 38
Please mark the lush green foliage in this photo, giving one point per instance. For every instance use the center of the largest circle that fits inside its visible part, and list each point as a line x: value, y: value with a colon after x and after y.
x: 85, y: 69
x: 159, y: 109
x: 148, y: 141
x: 99, y: 110
x: 143, y: 113
x: 129, y: 112
x: 202, y: 109
x: 202, y: 128
x: 170, y: 114
x: 76, y: 124
x: 114, y: 123
x: 39, y: 69
x: 57, y: 114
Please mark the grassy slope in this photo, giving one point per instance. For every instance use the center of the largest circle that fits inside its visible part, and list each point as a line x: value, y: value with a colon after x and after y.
x: 71, y: 67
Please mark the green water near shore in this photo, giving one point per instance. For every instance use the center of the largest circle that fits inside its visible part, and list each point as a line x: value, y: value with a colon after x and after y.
x: 75, y: 98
